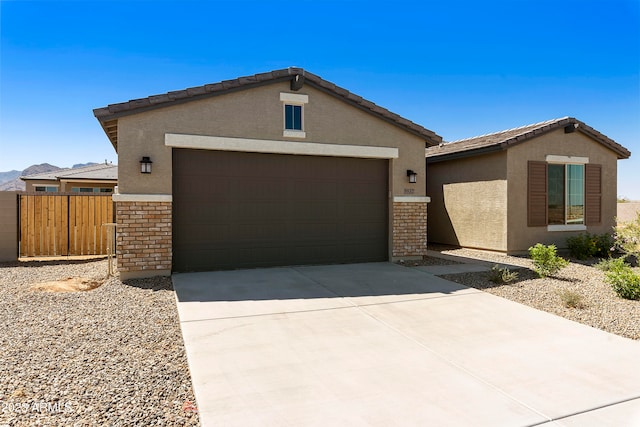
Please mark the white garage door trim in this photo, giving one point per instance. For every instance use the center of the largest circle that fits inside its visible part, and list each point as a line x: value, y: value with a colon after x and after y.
x: 278, y: 147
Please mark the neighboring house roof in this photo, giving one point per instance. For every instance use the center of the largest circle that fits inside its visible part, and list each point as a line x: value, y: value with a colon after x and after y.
x: 502, y: 140
x: 108, y: 116
x: 102, y: 171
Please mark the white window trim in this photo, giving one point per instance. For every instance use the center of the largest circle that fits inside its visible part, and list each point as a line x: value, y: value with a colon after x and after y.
x: 293, y: 99
x: 567, y: 227
x: 290, y: 133
x: 575, y: 160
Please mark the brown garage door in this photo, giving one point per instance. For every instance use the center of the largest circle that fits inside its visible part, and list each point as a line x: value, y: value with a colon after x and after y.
x: 239, y: 210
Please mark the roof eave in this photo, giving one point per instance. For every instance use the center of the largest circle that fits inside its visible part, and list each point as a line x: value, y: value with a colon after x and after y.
x: 108, y: 116
x: 621, y: 152
x: 463, y: 154
x: 106, y: 180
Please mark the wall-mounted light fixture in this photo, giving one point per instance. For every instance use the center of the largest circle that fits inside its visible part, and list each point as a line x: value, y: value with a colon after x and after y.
x: 413, y: 176
x: 145, y: 165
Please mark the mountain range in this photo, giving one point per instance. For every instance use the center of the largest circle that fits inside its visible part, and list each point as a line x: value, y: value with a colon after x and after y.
x: 10, y: 180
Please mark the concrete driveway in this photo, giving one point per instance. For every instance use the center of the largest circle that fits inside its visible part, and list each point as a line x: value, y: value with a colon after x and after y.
x: 383, y: 345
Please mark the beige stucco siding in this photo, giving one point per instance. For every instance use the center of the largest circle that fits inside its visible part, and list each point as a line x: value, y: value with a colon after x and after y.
x: 521, y: 237
x: 8, y: 226
x: 469, y: 202
x: 258, y: 114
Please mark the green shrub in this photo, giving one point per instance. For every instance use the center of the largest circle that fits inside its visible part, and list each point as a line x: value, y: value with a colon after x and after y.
x: 571, y: 299
x: 545, y: 260
x: 604, y: 245
x: 587, y: 245
x: 501, y: 276
x: 624, y: 282
x: 611, y: 264
x: 581, y: 246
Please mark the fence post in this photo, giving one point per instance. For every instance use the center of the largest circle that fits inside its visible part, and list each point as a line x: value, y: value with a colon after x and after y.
x: 111, y: 231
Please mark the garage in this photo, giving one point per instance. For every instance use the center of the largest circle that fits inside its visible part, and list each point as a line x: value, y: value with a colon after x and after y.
x: 275, y: 169
x: 243, y: 210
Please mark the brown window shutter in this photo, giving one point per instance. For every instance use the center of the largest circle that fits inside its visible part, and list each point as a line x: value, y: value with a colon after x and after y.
x: 537, y: 194
x: 593, y: 194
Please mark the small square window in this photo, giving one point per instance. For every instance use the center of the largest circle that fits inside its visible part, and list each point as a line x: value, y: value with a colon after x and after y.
x: 293, y: 117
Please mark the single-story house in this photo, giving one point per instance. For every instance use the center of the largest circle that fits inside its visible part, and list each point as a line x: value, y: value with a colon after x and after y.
x: 98, y: 178
x: 279, y: 168
x: 508, y: 190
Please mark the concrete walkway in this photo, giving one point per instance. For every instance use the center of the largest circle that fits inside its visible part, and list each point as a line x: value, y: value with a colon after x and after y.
x: 383, y: 345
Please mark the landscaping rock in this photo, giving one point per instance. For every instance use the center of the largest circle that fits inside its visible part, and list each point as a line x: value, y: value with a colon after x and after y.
x: 112, y: 355
x: 601, y: 307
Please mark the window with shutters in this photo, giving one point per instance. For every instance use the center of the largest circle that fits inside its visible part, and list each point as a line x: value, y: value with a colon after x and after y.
x: 563, y: 196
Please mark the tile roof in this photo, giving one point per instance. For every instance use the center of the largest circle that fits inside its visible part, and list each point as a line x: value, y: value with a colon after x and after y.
x: 108, y: 116
x: 100, y: 171
x: 502, y: 140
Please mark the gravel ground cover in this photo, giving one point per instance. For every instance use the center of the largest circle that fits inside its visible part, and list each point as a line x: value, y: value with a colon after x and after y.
x: 113, y: 355
x: 602, y: 308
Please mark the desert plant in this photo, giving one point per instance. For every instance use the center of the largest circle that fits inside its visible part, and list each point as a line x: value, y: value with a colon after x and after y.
x: 546, y: 262
x: 571, y: 299
x: 581, y: 246
x: 627, y: 237
x: 604, y: 244
x: 624, y: 282
x: 503, y: 275
x: 587, y: 245
x: 611, y: 264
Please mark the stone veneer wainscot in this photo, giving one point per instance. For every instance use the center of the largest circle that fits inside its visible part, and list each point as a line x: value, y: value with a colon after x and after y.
x: 409, y: 226
x: 143, y: 237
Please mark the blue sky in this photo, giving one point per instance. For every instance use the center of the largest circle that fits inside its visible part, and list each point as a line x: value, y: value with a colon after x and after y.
x: 459, y: 68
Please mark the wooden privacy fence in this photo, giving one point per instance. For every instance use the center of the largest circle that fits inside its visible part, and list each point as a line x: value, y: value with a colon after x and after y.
x: 64, y: 224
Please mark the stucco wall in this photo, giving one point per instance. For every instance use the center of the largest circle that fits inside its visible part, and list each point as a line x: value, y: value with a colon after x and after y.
x: 627, y: 211
x: 8, y: 226
x: 258, y: 114
x: 469, y: 202
x: 521, y: 237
